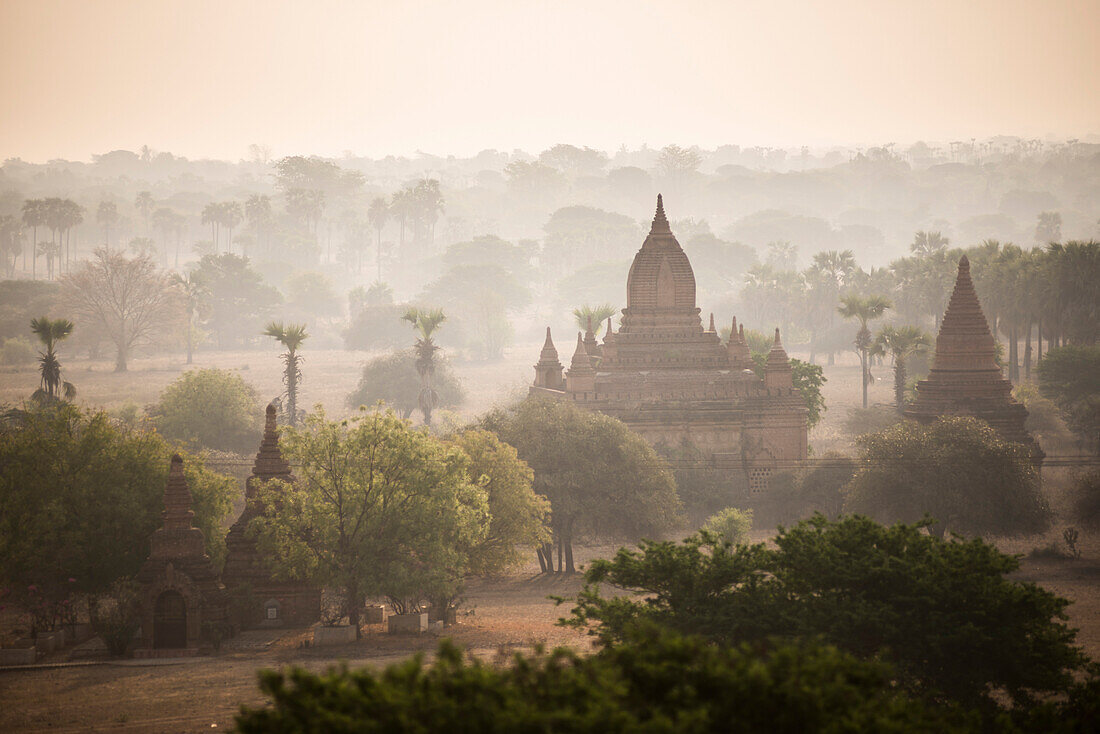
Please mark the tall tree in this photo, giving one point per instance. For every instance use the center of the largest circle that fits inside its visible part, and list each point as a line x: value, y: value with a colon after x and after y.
x: 863, y: 309
x: 34, y: 216
x: 195, y: 295
x: 901, y: 342
x: 257, y: 210
x: 144, y: 203
x: 426, y: 322
x: 378, y: 214
x: 290, y: 336
x: 130, y: 298
x: 50, y: 332
x: 1048, y: 228
x: 107, y: 216
x: 211, y: 214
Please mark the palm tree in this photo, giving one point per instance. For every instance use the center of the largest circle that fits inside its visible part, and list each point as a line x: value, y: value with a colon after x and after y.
x: 901, y: 342
x: 144, y: 203
x: 194, y: 292
x: 864, y: 309
x: 231, y: 216
x: 34, y: 216
x: 378, y: 214
x: 211, y: 214
x: 107, y: 215
x: 426, y: 322
x: 290, y: 336
x: 50, y: 332
x: 587, y: 315
x: 928, y: 244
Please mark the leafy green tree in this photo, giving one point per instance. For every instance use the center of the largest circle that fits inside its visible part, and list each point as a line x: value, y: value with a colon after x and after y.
x: 80, y: 497
x: 518, y: 518
x: 426, y: 322
x: 50, y: 332
x: 901, y: 342
x: 392, y: 379
x: 1070, y: 377
x: 730, y: 525
x: 377, y: 509
x: 658, y: 681
x: 602, y: 479
x: 957, y: 470
x: 943, y: 613
x: 209, y: 408
x: 863, y: 309
x: 480, y: 297
x: 290, y: 336
x: 237, y: 300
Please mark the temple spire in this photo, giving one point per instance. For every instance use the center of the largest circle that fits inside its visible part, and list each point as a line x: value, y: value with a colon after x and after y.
x: 711, y: 328
x: 177, y: 498
x: 269, y: 463
x: 660, y: 222
x: 549, y: 351
x: 581, y: 359
x: 777, y: 370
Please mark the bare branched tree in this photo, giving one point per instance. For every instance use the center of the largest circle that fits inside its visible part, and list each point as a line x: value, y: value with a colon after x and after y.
x: 129, y: 297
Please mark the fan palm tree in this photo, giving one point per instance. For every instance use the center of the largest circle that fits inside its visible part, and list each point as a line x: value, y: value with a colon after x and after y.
x: 864, y: 309
x: 426, y: 322
x: 378, y: 214
x: 901, y: 342
x: 194, y: 293
x: 593, y: 316
x: 34, y: 216
x: 144, y: 203
x: 50, y: 332
x: 290, y: 336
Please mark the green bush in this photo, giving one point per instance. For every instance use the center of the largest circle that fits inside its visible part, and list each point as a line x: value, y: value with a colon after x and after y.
x: 730, y: 525
x: 17, y: 351
x: 944, y: 612
x: 393, y: 380
x: 210, y: 408
x: 655, y: 682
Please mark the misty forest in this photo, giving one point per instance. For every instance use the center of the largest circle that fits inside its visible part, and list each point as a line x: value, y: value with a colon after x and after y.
x: 687, y: 437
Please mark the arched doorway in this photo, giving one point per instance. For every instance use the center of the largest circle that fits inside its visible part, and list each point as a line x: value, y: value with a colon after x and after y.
x: 170, y: 620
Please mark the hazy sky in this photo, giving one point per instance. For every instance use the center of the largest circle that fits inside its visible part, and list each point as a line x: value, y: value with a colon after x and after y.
x: 208, y: 77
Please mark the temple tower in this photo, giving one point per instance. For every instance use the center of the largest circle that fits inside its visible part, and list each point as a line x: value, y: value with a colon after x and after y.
x: 548, y: 370
x: 581, y: 377
x: 257, y: 599
x: 182, y: 600
x: 965, y: 378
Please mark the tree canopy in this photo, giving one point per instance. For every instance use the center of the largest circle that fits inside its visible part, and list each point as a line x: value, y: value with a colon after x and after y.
x: 209, y: 408
x: 943, y: 612
x: 957, y: 470
x: 601, y: 479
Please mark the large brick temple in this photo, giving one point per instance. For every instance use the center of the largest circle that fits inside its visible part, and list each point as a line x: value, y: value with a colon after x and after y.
x: 674, y: 381
x: 965, y: 378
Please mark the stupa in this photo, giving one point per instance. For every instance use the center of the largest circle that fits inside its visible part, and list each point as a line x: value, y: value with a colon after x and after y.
x: 674, y: 381
x: 256, y: 598
x: 964, y: 378
x: 183, y: 603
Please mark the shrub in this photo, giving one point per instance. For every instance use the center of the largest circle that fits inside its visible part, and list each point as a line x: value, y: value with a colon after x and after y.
x: 209, y: 408
x: 1086, y: 501
x: 731, y: 525
x: 393, y: 380
x: 957, y: 470
x: 944, y: 612
x: 17, y: 351
x: 656, y: 682
x: 116, y: 615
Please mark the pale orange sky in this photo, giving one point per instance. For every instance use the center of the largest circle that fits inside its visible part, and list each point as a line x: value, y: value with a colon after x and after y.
x: 205, y: 78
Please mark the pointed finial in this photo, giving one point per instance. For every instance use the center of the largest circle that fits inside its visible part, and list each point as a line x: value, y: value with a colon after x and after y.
x: 269, y: 421
x: 660, y: 222
x: 778, y: 343
x: 177, y: 463
x: 733, y: 329
x: 589, y: 325
x: 548, y: 342
x: 964, y: 263
x: 711, y: 327
x: 610, y: 330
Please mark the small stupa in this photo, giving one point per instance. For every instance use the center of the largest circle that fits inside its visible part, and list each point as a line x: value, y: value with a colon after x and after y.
x: 965, y: 378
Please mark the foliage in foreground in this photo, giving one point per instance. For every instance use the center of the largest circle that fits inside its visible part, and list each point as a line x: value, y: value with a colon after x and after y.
x: 657, y: 681
x: 80, y: 496
x: 957, y: 470
x: 210, y: 408
x: 942, y: 612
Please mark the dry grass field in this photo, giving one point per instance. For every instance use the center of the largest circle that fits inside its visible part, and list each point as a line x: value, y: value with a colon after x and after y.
x: 498, y: 615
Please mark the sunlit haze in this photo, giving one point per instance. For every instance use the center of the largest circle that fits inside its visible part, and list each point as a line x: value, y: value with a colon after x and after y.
x: 207, y: 78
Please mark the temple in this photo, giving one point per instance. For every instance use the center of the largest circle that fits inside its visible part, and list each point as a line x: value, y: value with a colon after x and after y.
x: 183, y: 601
x: 674, y: 381
x: 256, y: 598
x: 965, y: 378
